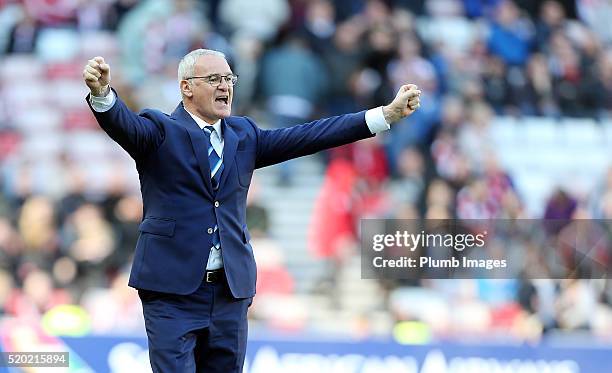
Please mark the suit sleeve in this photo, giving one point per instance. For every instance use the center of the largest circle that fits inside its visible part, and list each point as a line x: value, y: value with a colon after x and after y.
x: 137, y: 134
x: 278, y: 145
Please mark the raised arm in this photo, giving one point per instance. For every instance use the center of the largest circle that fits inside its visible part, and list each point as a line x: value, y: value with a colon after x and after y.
x: 278, y: 145
x: 137, y: 134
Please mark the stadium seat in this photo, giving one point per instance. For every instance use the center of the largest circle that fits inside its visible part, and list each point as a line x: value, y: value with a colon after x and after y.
x: 534, y: 189
x: 579, y: 132
x: 540, y: 132
x: 57, y: 45
x: 24, y: 96
x: 38, y: 120
x: 88, y: 144
x: 72, y: 95
x: 43, y: 145
x: 98, y: 43
x: 505, y: 131
x: 18, y: 67
x: 607, y: 128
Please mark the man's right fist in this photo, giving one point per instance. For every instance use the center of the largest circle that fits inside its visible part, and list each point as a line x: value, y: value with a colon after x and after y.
x: 97, y: 76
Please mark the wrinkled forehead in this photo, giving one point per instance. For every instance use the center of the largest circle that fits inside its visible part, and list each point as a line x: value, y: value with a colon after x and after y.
x: 211, y: 64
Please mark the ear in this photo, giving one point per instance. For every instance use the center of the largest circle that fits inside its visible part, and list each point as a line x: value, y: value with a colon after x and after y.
x: 186, y: 88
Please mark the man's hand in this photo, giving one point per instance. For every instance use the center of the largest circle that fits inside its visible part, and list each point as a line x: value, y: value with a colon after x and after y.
x: 97, y: 76
x: 405, y: 103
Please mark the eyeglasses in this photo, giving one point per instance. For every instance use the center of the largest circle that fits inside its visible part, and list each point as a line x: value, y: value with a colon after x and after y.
x: 215, y: 79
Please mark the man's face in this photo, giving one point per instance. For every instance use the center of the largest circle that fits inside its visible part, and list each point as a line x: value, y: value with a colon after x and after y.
x: 211, y: 103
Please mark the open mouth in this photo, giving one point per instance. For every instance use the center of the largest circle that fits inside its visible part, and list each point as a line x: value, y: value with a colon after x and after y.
x: 222, y: 99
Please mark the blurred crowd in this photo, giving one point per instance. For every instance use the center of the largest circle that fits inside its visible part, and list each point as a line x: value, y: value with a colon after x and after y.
x: 67, y: 239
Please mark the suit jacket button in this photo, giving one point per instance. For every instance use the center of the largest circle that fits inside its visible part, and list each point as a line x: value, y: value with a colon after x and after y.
x: 210, y: 231
x: 216, y: 203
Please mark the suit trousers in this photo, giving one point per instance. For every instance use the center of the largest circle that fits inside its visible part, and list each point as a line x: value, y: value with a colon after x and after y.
x: 203, y: 332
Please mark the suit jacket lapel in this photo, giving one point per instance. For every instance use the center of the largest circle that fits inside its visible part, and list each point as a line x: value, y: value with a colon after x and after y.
x: 229, y: 149
x: 199, y: 143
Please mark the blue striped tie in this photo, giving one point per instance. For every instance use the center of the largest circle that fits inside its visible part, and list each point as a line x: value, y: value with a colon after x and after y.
x: 215, y: 161
x: 216, y: 169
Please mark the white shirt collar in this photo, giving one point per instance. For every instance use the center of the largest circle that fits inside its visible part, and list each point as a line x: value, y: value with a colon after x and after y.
x: 202, y: 123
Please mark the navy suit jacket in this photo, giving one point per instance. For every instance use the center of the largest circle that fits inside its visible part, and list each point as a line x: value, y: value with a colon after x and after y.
x: 179, y: 203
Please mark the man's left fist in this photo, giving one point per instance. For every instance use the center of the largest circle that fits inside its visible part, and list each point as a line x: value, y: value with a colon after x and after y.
x: 405, y: 103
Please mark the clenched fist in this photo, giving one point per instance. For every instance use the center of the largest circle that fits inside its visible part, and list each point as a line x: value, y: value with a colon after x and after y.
x: 405, y: 103
x: 97, y: 76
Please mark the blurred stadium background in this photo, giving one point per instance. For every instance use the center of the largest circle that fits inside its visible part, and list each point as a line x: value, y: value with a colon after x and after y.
x: 515, y: 122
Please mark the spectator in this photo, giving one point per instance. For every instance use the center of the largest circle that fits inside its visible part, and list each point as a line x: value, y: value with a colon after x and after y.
x: 497, y: 88
x: 89, y: 237
x: 552, y: 19
x: 37, y: 225
x: 36, y: 297
x: 596, y: 14
x: 292, y: 80
x: 265, y: 17
x: 410, y: 186
x: 342, y: 60
x: 371, y: 85
x: 258, y: 216
x: 450, y: 163
x: 332, y: 229
x: 6, y: 289
x: 474, y: 201
x: 53, y: 13
x: 576, y: 304
x: 440, y: 196
x: 126, y: 216
x: 115, y: 12
x: 559, y: 210
x: 511, y: 34
x: 319, y: 25
x: 536, y: 96
x: 605, y: 71
x: 292, y: 101
x: 115, y: 310
x: 474, y: 136
x: 74, y: 194
x: 24, y: 34
x: 575, y: 89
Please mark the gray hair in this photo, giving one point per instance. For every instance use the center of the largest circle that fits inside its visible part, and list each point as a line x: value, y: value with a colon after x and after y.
x: 186, y: 68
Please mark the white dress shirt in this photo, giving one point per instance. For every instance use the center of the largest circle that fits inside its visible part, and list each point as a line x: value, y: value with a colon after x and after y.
x: 215, y: 259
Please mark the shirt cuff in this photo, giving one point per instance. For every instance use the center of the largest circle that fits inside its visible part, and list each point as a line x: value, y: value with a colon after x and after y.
x: 102, y: 104
x: 375, y: 119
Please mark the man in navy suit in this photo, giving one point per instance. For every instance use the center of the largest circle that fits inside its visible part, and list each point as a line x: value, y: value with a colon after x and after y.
x: 193, y: 265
